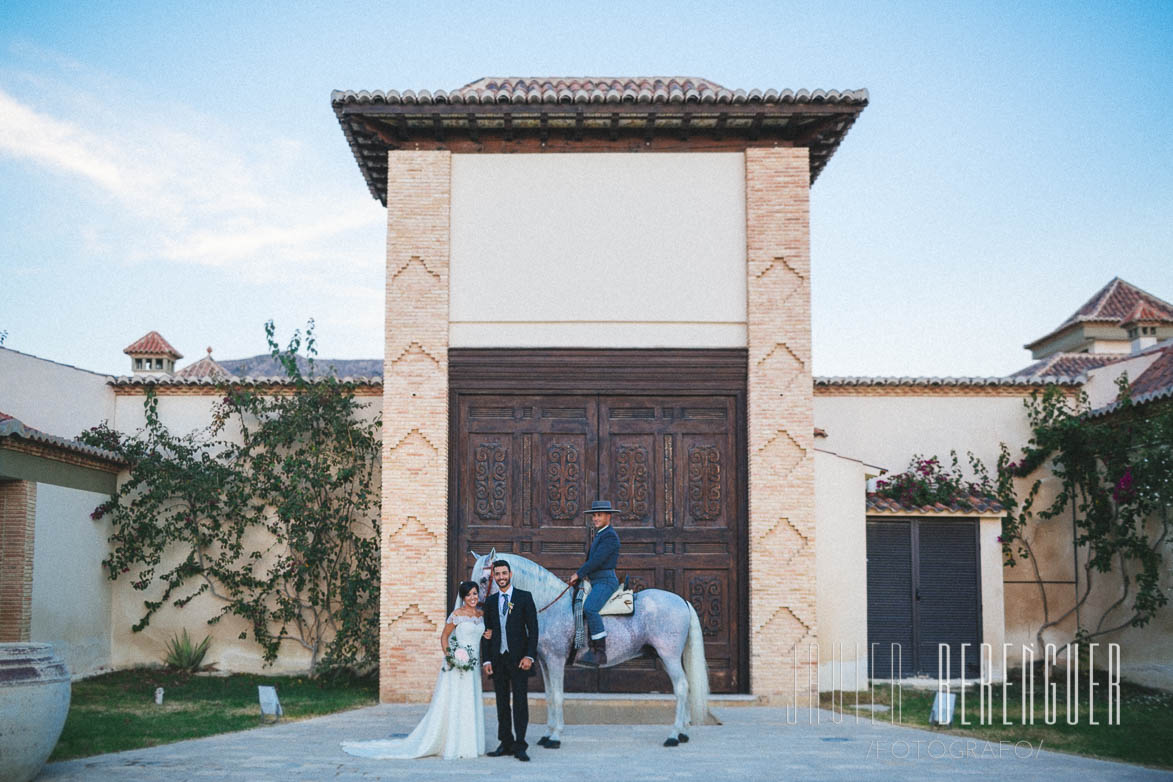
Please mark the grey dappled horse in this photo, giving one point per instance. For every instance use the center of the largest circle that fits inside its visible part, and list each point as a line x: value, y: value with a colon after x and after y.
x: 662, y: 620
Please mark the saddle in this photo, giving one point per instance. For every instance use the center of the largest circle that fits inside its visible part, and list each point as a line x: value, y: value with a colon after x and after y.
x: 620, y: 603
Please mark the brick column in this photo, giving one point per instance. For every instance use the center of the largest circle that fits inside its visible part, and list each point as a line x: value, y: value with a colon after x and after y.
x: 18, y: 513
x: 781, y: 419
x: 415, y: 425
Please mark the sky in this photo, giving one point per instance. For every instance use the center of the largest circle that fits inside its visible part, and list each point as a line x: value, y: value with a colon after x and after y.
x: 178, y: 167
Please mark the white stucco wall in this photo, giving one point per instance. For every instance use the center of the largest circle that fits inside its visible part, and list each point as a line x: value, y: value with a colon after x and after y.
x: 888, y: 430
x: 55, y: 398
x: 598, y: 250
x: 841, y: 581
x: 71, y: 594
x: 181, y: 414
x: 1101, y: 388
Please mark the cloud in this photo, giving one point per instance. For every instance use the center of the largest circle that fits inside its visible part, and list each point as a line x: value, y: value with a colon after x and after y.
x: 180, y: 186
x: 25, y: 133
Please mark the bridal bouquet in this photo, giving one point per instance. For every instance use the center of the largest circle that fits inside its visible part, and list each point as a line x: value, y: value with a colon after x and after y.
x: 460, y: 657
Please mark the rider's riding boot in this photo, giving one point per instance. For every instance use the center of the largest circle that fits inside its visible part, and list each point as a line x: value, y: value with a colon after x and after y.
x: 596, y: 656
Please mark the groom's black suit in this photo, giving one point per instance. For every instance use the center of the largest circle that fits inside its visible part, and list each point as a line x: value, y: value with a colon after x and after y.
x: 521, y: 635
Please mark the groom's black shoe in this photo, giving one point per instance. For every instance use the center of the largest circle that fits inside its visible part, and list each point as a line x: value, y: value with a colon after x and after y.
x: 520, y: 754
x: 500, y: 752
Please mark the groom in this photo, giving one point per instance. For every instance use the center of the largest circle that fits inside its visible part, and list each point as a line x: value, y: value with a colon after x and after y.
x: 509, y: 657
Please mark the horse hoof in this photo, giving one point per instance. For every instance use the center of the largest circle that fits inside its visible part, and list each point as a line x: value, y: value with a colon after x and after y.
x: 670, y: 742
x: 682, y: 738
x: 552, y: 744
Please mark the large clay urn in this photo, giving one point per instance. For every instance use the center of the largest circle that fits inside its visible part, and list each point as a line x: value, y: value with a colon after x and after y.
x: 34, y: 699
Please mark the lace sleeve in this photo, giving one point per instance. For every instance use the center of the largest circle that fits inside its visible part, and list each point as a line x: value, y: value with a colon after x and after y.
x: 452, y: 619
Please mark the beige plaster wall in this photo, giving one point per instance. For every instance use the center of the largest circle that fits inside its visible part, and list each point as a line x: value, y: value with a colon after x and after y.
x: 598, y: 250
x: 71, y: 594
x: 184, y: 413
x: 841, y: 570
x: 227, y: 651
x: 55, y: 398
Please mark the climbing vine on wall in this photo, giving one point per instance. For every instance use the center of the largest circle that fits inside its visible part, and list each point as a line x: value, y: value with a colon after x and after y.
x: 271, y: 509
x: 1115, y: 471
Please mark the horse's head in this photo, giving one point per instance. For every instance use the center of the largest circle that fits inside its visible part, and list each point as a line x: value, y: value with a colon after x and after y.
x: 482, y: 573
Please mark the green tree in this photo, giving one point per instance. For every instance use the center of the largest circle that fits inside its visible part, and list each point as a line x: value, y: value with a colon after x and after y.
x: 279, y: 523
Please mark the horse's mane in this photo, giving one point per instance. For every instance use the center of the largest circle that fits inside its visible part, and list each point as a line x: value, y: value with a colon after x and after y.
x: 532, y: 577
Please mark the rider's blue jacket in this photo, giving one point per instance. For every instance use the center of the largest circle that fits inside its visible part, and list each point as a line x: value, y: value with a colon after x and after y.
x: 603, y: 556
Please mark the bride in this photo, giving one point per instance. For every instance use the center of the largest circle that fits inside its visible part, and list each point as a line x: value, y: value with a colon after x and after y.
x: 454, y: 725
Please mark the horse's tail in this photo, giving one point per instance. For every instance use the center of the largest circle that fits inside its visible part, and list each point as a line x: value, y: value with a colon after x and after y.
x: 696, y: 670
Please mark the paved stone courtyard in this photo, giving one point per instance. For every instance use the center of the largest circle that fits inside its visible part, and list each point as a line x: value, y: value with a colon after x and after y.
x: 755, y: 743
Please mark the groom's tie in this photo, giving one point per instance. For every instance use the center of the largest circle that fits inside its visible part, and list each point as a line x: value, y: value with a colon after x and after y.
x: 504, y: 618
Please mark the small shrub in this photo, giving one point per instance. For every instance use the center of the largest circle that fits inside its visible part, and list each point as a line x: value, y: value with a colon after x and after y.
x: 183, y: 655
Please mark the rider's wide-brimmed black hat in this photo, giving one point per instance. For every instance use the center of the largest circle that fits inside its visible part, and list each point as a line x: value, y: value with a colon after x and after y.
x: 601, y: 506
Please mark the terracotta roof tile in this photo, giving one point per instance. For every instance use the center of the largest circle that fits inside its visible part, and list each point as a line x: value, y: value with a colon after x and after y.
x: 1069, y: 364
x: 205, y: 367
x: 971, y: 504
x: 153, y: 343
x: 1145, y: 312
x: 1157, y: 378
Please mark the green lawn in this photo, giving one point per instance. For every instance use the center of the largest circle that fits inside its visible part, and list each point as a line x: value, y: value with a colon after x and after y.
x: 117, y: 711
x: 1143, y: 735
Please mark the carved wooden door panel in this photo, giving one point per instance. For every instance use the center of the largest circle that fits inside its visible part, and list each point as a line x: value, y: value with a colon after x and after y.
x: 669, y: 464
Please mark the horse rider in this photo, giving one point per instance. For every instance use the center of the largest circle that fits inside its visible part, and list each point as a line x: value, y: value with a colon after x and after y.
x: 599, y: 569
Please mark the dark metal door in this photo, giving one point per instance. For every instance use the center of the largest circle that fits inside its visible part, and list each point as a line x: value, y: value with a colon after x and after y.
x: 527, y: 466
x: 923, y: 590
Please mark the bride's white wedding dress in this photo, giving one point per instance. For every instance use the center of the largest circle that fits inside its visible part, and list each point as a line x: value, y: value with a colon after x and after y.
x: 454, y: 725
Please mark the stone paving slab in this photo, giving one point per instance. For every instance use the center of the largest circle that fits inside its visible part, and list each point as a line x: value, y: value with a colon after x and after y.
x: 754, y: 743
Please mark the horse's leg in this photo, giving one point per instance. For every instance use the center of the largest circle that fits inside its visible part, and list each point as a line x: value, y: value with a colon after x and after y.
x: 676, y: 673
x: 545, y: 740
x: 553, y: 674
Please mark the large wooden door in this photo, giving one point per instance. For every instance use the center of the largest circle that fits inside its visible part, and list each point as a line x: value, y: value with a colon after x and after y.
x: 525, y: 466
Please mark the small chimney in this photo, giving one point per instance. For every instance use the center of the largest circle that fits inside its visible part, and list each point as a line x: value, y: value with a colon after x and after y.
x: 152, y: 355
x: 1142, y: 324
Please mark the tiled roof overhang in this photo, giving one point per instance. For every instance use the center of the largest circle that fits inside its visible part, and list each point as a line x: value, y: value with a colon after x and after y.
x: 13, y: 430
x: 591, y: 115
x: 973, y: 504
